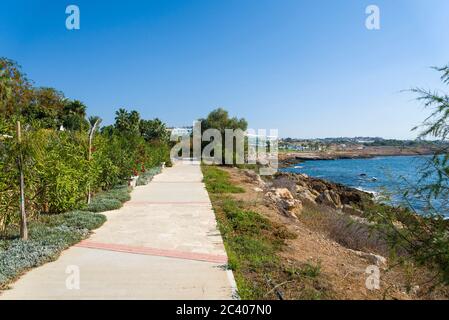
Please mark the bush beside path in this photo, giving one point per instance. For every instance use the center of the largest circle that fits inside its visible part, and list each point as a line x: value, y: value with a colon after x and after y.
x: 162, y: 244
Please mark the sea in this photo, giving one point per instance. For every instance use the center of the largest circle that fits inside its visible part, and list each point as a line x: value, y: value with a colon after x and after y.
x: 386, y: 177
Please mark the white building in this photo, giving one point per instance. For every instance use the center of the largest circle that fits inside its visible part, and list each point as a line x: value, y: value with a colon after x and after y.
x: 181, y: 131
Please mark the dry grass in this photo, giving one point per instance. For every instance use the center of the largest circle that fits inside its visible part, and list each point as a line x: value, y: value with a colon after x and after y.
x: 254, y: 244
x: 345, y: 230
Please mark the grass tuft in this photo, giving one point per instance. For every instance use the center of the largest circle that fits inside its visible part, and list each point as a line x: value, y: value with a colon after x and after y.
x: 109, y: 200
x: 217, y: 181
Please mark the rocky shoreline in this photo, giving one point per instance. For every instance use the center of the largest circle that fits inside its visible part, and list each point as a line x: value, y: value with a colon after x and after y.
x: 290, y: 159
x: 289, y: 192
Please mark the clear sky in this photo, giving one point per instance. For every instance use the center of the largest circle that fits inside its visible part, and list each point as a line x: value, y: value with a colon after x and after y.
x: 307, y: 68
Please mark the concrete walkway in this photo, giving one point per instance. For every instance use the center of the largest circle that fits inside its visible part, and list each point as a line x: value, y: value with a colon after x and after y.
x: 163, y: 244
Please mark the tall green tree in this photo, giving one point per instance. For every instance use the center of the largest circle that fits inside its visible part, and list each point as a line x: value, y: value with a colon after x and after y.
x: 219, y: 119
x: 15, y: 88
x: 127, y: 122
x: 153, y: 130
x: 74, y: 116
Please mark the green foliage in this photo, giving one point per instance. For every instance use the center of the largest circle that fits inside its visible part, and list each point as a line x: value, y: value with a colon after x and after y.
x: 48, y: 237
x: 152, y: 130
x: 105, y: 204
x: 61, y: 167
x: 219, y: 119
x: 147, y: 176
x: 60, y: 170
x: 109, y: 200
x: 83, y: 220
x: 74, y: 116
x: 425, y: 239
x: 252, y: 241
x: 310, y: 269
x: 217, y: 181
x: 15, y: 88
x: 127, y: 122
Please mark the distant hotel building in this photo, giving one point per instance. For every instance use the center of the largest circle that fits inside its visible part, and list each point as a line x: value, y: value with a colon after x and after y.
x: 253, y: 139
x: 260, y: 140
x: 181, y: 131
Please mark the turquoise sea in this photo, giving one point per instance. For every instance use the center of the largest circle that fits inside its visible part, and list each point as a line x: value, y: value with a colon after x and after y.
x: 380, y: 175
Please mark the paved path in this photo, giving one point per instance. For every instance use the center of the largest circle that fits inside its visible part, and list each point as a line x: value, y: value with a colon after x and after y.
x: 163, y: 244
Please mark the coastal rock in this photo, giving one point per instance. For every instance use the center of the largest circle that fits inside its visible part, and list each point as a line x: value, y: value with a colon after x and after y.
x: 283, y: 193
x: 254, y: 177
x: 305, y: 195
x: 330, y: 199
x: 302, y: 183
x: 319, y: 186
x: 335, y: 198
x: 398, y: 224
x: 353, y: 196
x: 285, y: 202
x: 314, y: 190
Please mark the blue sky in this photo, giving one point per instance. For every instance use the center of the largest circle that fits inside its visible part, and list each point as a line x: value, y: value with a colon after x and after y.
x: 307, y: 68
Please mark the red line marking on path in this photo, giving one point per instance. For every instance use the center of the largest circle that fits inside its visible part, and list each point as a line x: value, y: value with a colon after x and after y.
x: 154, y: 252
x: 205, y: 203
x: 176, y: 181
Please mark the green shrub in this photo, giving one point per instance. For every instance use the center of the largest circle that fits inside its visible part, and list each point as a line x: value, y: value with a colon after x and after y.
x: 109, y: 200
x: 218, y: 181
x: 47, y: 238
x: 147, y: 176
x: 59, y: 171
x: 83, y: 220
x: 104, y: 204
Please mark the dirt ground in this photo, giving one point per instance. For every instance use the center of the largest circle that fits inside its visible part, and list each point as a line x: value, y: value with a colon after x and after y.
x: 343, y: 270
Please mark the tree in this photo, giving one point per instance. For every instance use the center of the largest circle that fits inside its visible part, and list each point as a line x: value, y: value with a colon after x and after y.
x: 153, y: 130
x: 436, y: 126
x: 219, y: 119
x: 75, y: 107
x: 46, y: 108
x: 127, y: 122
x: 74, y: 116
x: 15, y: 88
x: 424, y: 236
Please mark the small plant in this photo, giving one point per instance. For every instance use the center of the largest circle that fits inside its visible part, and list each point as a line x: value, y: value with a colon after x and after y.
x: 311, y: 269
x: 147, y: 176
x: 218, y: 181
x: 109, y: 200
